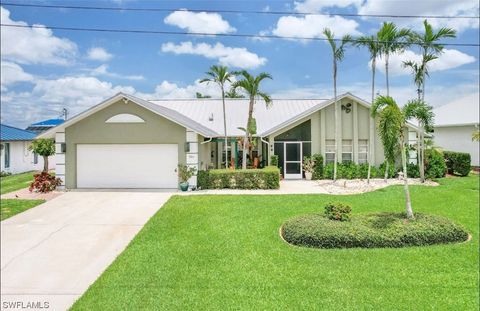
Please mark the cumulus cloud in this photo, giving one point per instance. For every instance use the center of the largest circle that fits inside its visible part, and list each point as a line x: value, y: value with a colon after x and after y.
x: 228, y: 56
x: 102, y: 70
x: 313, y: 26
x: 318, y: 5
x: 98, y: 53
x: 199, y: 22
x: 12, y: 73
x: 33, y: 45
x: 449, y: 59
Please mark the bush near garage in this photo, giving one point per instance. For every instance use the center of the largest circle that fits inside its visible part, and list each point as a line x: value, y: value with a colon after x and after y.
x: 44, y: 182
x: 265, y: 178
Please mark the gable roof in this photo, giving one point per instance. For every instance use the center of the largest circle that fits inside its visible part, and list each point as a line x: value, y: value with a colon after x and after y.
x: 169, y: 114
x: 10, y: 133
x: 462, y: 111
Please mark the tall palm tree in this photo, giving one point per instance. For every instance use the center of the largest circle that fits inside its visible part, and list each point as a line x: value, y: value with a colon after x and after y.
x: 428, y: 41
x: 373, y: 46
x: 392, y: 40
x: 338, y: 53
x: 251, y: 85
x: 220, y: 75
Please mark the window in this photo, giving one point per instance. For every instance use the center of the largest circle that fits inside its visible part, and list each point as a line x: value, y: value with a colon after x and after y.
x: 347, y: 150
x: 6, y: 153
x: 362, y: 151
x: 329, y: 151
x: 412, y: 147
x: 35, y: 158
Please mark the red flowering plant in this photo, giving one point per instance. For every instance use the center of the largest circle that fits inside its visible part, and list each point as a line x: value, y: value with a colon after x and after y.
x: 44, y: 182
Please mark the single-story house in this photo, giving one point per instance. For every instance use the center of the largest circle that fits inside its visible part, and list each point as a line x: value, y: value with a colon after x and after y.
x: 14, y: 154
x: 128, y: 142
x: 454, y: 125
x: 45, y: 125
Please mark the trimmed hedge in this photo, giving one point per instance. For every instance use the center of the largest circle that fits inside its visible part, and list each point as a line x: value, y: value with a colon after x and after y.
x: 435, y: 166
x: 350, y: 170
x: 457, y: 162
x: 372, y: 231
x: 318, y: 170
x: 265, y: 178
x: 338, y: 211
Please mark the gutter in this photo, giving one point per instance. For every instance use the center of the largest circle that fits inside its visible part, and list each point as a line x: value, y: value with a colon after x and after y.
x: 206, y: 141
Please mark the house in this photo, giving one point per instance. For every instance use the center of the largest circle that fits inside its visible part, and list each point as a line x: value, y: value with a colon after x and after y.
x: 42, y: 126
x: 128, y: 142
x: 454, y: 125
x: 14, y: 155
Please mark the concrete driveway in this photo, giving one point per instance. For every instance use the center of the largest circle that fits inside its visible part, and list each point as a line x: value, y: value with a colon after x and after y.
x: 52, y: 253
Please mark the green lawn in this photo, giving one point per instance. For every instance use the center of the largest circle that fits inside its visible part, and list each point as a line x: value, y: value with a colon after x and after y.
x: 15, y: 182
x: 225, y: 252
x: 11, y: 207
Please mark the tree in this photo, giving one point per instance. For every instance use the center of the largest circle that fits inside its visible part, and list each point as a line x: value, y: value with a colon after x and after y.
x: 251, y: 85
x: 338, y: 53
x: 373, y: 46
x: 233, y: 94
x: 430, y: 49
x: 220, y: 75
x: 44, y: 147
x: 392, y: 40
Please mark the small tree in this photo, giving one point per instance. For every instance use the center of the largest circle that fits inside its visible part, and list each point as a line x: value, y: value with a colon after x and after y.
x: 44, y: 147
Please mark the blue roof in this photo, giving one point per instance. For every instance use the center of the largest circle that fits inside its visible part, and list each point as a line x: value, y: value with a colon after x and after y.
x: 9, y: 133
x: 50, y: 122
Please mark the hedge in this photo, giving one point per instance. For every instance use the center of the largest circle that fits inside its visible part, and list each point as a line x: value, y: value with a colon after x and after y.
x: 435, y: 166
x: 265, y: 178
x: 318, y: 170
x: 350, y: 170
x: 457, y: 162
x: 371, y: 231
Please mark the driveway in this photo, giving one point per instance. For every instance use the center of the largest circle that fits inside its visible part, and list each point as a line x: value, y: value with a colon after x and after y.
x: 52, y: 253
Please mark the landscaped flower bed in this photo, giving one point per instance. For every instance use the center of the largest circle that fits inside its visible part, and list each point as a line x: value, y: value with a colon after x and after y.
x: 265, y: 178
x: 371, y: 231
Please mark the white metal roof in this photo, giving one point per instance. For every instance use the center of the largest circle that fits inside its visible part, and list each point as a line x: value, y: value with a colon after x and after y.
x: 462, y: 111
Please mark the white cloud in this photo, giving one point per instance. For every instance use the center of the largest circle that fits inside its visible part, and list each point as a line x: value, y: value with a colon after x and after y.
x: 437, y: 7
x: 448, y: 60
x: 309, y: 6
x: 102, y: 70
x: 228, y: 56
x: 13, y: 73
x: 313, y: 26
x: 33, y: 45
x: 199, y: 22
x: 98, y: 53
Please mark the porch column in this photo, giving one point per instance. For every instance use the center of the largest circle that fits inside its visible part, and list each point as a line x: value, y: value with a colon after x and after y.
x: 355, y: 132
x: 322, y: 133
x: 60, y: 158
x: 191, y: 154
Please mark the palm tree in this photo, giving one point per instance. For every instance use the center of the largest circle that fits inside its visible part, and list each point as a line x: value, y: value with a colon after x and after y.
x: 220, y: 75
x: 338, y: 53
x: 233, y: 94
x: 431, y: 49
x: 251, y: 85
x: 373, y: 46
x: 392, y: 40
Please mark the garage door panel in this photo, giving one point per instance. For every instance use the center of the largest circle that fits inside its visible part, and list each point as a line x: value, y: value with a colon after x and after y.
x: 127, y: 165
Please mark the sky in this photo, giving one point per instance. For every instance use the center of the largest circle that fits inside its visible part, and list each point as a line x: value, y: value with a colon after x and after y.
x: 44, y: 70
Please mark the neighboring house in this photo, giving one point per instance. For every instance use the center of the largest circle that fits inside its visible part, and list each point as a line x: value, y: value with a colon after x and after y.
x: 128, y: 142
x: 42, y: 126
x: 454, y: 125
x: 15, y: 156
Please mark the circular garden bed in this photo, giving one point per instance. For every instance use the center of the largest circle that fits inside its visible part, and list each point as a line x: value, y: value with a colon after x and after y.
x: 371, y: 231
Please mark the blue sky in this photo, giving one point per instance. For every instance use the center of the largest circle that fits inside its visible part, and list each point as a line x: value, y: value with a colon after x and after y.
x: 45, y: 70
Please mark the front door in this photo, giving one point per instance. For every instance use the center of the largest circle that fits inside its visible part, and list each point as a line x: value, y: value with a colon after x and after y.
x: 292, y: 155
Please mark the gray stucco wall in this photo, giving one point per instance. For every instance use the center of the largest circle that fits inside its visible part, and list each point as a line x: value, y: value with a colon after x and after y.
x: 94, y: 130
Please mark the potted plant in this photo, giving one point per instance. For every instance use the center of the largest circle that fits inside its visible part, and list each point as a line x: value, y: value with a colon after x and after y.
x: 184, y: 174
x: 308, y: 167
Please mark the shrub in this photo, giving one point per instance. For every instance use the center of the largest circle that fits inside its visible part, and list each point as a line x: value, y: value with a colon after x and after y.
x: 457, y: 162
x: 372, y: 230
x: 308, y: 164
x: 318, y: 169
x: 185, y: 172
x: 338, y: 211
x: 5, y: 174
x: 274, y: 160
x: 328, y: 171
x: 265, y: 178
x: 381, y: 170
x: 413, y: 170
x: 435, y: 166
x: 44, y: 182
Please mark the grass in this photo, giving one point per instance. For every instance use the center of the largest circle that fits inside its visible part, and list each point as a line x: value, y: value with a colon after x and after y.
x: 15, y: 182
x: 225, y: 252
x: 11, y: 207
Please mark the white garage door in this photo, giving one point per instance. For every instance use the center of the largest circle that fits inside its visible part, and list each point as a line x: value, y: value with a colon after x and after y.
x: 127, y: 166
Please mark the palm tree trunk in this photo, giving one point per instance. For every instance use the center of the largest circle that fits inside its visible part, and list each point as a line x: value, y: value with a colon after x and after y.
x: 386, y: 73
x: 421, y: 151
x: 225, y: 128
x: 371, y: 119
x: 408, y: 202
x: 336, y: 118
x: 45, y: 164
x: 250, y: 114
x: 386, y: 169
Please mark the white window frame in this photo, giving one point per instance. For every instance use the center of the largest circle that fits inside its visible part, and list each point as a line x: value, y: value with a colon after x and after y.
x: 363, y: 143
x: 328, y: 145
x: 347, y: 152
